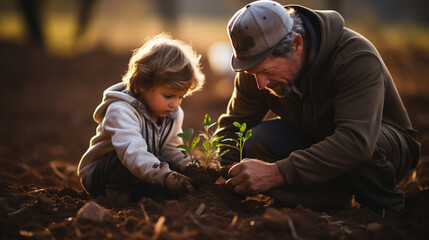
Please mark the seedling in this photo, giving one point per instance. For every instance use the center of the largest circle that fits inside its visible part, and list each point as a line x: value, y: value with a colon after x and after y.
x: 209, y: 149
x: 189, y: 145
x: 243, y: 136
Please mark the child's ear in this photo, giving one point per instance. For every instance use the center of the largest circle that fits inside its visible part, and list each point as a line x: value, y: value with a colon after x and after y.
x: 141, y: 89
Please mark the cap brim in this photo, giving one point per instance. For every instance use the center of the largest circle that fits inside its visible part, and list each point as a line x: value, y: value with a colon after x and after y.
x: 242, y: 64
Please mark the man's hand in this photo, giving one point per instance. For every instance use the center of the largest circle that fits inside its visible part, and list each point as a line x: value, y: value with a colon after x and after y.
x: 178, y: 184
x: 252, y: 176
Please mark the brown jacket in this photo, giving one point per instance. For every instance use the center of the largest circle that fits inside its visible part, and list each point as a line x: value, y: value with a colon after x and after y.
x: 346, y: 94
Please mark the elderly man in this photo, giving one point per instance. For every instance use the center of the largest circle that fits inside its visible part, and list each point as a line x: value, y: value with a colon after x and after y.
x: 341, y: 130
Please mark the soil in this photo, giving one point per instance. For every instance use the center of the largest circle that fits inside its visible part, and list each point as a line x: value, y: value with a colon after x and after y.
x: 45, y: 126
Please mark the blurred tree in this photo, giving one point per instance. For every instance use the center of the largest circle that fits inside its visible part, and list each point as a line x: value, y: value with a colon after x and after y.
x: 85, y: 14
x: 32, y: 17
x: 168, y: 11
x: 337, y: 5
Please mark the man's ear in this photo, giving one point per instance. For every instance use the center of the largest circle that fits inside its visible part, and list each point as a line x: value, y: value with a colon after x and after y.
x: 297, y: 45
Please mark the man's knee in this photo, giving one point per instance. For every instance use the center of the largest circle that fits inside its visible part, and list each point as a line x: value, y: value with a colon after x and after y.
x: 261, y: 139
x: 274, y: 140
x: 374, y: 182
x: 264, y: 143
x: 398, y: 150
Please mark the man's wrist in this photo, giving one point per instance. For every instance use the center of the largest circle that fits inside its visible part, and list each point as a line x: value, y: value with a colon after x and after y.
x: 278, y: 178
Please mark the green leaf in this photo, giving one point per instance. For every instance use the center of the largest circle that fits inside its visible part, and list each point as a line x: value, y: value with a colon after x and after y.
x: 223, y: 153
x: 248, y: 134
x: 194, y: 142
x: 184, y: 153
x: 189, y: 133
x: 237, y: 124
x: 183, y: 147
x: 219, y: 138
x: 243, y: 128
x: 206, y: 143
x: 207, y: 120
x: 228, y: 145
x: 217, y: 141
x: 183, y: 136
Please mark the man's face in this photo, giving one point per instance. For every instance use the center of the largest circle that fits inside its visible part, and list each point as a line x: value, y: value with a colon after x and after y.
x: 275, y: 73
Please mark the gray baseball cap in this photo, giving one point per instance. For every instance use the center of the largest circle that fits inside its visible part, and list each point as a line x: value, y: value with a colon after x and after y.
x: 254, y: 30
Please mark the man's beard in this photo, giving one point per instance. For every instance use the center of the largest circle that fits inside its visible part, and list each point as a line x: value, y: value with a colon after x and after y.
x: 282, y: 90
x: 279, y: 89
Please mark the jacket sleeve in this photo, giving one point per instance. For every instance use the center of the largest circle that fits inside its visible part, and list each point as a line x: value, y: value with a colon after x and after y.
x: 358, y: 88
x: 246, y: 105
x: 169, y: 151
x: 123, y: 125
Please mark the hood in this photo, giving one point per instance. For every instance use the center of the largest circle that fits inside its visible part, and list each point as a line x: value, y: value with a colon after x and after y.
x: 119, y: 92
x: 330, y: 25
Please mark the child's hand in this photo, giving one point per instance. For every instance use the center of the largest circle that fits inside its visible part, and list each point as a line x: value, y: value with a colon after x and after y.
x: 185, y: 163
x: 178, y: 184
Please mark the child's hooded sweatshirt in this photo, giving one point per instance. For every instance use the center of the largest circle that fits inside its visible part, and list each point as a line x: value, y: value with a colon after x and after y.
x: 140, y: 143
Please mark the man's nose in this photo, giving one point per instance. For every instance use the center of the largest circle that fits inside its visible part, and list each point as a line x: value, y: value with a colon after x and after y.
x: 262, y: 81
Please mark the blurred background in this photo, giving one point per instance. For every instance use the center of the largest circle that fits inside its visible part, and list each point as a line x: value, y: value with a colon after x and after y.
x: 57, y: 57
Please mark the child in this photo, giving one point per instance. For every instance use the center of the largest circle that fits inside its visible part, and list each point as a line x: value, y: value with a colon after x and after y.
x: 134, y: 149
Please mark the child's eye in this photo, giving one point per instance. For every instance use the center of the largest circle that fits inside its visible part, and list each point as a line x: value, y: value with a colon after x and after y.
x: 168, y: 96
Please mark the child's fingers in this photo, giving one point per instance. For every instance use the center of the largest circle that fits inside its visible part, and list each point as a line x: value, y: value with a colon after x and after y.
x: 188, y: 188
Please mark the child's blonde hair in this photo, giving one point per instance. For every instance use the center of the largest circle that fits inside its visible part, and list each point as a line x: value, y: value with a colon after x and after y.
x: 164, y: 61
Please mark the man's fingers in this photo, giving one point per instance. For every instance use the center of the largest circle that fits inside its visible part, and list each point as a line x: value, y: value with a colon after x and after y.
x: 234, y: 170
x: 234, y: 181
x: 237, y: 189
x: 242, y: 188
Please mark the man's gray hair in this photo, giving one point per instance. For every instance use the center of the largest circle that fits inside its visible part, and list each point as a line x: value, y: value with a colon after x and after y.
x: 283, y: 48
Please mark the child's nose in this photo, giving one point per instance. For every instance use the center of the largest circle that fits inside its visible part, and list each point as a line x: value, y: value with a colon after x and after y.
x: 174, y: 103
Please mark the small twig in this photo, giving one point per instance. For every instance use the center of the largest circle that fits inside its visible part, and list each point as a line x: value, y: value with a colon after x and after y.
x: 292, y: 228
x: 29, y: 169
x: 209, y: 229
x: 196, y: 222
x: 78, y: 232
x: 37, y: 190
x: 158, y: 227
x: 200, y: 210
x: 146, y: 217
x: 24, y: 206
x: 58, y: 172
x: 337, y: 223
x: 414, y: 179
x: 234, y: 220
x: 25, y: 233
